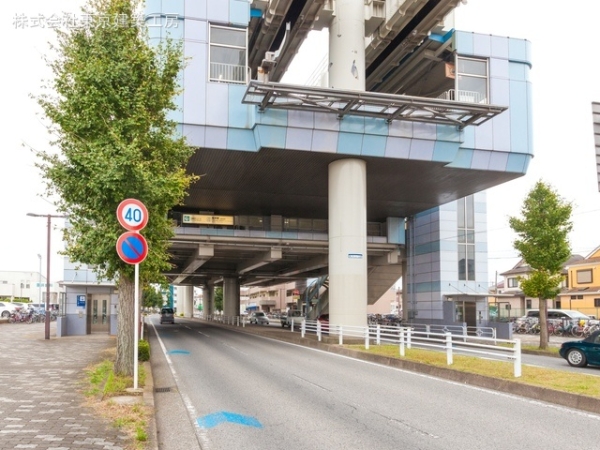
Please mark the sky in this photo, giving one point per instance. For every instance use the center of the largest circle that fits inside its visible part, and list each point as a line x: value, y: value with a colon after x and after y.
x: 565, y: 77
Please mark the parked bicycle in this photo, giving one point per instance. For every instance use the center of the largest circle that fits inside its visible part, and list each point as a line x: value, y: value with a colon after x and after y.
x: 21, y: 316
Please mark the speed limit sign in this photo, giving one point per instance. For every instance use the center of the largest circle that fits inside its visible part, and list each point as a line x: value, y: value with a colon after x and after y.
x: 132, y: 214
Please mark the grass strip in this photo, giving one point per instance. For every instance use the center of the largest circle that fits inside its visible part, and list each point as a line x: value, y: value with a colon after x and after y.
x: 102, y: 385
x: 564, y: 381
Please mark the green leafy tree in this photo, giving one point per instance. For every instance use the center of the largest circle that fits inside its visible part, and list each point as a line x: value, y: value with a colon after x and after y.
x: 151, y: 297
x: 108, y: 104
x: 544, y: 245
x: 218, y: 299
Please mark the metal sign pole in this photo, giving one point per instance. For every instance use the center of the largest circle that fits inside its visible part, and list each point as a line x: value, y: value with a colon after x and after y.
x: 136, y: 325
x: 132, y: 248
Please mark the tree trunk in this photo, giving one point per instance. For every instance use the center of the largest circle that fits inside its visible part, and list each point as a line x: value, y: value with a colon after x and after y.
x: 125, y: 331
x: 543, y: 324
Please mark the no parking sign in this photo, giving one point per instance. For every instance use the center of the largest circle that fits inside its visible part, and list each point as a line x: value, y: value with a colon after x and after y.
x: 132, y: 247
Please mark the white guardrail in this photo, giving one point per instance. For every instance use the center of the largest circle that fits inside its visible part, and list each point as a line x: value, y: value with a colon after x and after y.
x: 449, y: 339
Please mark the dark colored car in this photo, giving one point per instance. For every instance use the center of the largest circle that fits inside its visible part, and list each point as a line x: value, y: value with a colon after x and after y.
x: 584, y: 352
x: 167, y: 315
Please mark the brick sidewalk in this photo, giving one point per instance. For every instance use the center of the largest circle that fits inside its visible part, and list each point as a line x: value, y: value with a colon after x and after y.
x: 41, y: 406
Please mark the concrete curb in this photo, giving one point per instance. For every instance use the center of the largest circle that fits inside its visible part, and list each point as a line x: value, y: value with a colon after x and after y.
x: 581, y: 402
x: 148, y: 396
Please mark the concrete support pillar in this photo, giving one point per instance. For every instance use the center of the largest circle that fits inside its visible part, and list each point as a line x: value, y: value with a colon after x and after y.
x: 347, y: 46
x: 231, y: 296
x: 348, y: 242
x: 188, y: 306
x: 179, y: 300
x: 208, y: 300
x: 405, y: 304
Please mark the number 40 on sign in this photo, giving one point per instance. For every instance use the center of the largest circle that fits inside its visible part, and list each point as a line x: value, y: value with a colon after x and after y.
x: 132, y: 214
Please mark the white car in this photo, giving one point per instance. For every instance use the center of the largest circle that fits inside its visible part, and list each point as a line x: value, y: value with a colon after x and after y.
x: 296, y: 316
x: 259, y: 318
x: 6, y: 308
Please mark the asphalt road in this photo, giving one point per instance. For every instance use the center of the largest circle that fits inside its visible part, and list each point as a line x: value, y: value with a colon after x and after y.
x: 558, y: 364
x: 238, y: 391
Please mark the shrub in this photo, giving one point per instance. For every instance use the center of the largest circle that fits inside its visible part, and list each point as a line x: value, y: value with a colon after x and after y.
x: 143, y: 350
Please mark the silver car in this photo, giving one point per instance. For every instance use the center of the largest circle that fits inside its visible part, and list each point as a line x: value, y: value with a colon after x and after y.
x: 259, y: 318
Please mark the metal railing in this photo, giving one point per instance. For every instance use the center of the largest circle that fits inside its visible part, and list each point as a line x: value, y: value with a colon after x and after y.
x: 458, y: 95
x: 488, y: 348
x: 450, y: 339
x: 229, y: 73
x: 488, y: 332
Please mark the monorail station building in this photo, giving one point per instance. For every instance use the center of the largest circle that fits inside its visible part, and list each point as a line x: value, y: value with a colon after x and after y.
x: 375, y: 172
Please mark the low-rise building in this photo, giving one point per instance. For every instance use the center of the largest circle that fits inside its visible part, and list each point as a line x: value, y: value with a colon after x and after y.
x: 583, y: 285
x: 580, y: 288
x: 26, y: 286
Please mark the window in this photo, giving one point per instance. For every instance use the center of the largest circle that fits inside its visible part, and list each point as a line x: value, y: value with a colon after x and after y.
x: 597, y: 302
x: 512, y: 282
x: 227, y: 54
x: 466, y: 238
x: 584, y: 276
x: 472, y: 80
x: 528, y: 303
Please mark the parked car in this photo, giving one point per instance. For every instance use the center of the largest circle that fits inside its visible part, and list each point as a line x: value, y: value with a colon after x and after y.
x: 295, y: 316
x: 583, y: 352
x: 563, y: 314
x: 324, y: 321
x: 167, y: 315
x: 18, y: 306
x: 259, y: 318
x: 5, y: 309
x: 39, y: 308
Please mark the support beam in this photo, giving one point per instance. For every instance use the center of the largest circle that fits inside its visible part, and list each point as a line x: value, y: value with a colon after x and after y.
x: 202, y: 255
x: 389, y: 258
x: 313, y: 264
x: 267, y: 257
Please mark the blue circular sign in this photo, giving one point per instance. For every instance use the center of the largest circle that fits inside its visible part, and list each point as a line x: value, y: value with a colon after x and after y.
x: 132, y: 247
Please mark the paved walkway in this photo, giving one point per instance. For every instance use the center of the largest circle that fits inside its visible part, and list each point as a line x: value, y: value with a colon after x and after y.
x: 41, y: 406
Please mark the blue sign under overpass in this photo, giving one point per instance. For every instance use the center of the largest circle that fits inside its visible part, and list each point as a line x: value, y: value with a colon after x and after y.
x: 81, y: 301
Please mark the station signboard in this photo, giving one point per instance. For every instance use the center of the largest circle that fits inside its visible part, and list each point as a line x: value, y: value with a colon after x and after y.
x: 207, y: 219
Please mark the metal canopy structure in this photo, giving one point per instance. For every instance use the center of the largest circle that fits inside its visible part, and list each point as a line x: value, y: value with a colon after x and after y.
x: 368, y: 104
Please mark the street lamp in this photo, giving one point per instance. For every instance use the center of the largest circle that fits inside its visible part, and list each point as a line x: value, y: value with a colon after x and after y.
x: 49, y: 217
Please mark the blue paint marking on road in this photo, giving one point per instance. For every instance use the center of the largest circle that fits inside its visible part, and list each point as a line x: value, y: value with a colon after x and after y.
x: 178, y: 352
x: 214, y: 419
